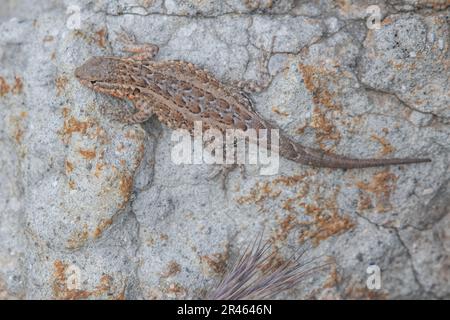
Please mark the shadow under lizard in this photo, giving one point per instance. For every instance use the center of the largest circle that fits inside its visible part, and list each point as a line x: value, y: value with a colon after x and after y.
x: 180, y: 93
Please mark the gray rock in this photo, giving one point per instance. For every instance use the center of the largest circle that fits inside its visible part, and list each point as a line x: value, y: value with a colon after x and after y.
x: 407, y: 57
x: 93, y: 209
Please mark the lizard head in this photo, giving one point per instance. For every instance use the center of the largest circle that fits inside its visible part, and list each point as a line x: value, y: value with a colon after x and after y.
x: 98, y: 73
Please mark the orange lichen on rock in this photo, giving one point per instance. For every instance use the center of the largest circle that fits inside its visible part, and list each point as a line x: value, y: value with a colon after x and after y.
x: 290, y: 181
x: 18, y: 85
x: 325, y: 130
x: 434, y: 4
x: 172, y: 269
x: 18, y: 134
x: 125, y: 188
x: 104, y: 223
x: 279, y: 112
x: 274, y: 261
x: 89, y: 127
x: 79, y: 237
x: 72, y: 125
x: 126, y: 184
x: 61, y: 83
x: 324, y: 220
x: 334, y: 278
x: 4, y: 87
x: 286, y: 225
x: 69, y: 166
x: 362, y: 292
x: 87, y: 154
x: 260, y: 192
x: 99, y: 166
x: 18, y: 125
x: 386, y: 21
x: 216, y: 262
x: 324, y: 225
x: 386, y: 146
x: 314, y: 83
x: 65, y: 111
x: 381, y: 187
x: 61, y: 285
x: 344, y: 5
x: 365, y: 202
x: 270, y: 189
x: 16, y: 88
x: 96, y: 37
x: 288, y: 204
x: 72, y: 184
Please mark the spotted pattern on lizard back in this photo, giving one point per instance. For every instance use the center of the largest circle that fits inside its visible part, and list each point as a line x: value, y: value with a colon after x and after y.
x: 180, y: 93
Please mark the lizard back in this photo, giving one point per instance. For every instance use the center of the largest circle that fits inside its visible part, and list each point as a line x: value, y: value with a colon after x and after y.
x: 184, y: 93
x: 180, y: 94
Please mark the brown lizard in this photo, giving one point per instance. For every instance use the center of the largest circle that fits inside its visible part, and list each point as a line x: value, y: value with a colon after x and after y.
x: 180, y: 93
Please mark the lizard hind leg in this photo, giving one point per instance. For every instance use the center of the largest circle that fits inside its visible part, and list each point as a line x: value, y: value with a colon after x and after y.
x: 140, y: 51
x: 222, y: 171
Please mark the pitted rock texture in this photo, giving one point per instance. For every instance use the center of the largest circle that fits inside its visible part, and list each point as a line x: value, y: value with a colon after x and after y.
x: 93, y: 209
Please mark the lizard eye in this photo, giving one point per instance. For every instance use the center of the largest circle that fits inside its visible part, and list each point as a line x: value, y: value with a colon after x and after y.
x: 93, y: 82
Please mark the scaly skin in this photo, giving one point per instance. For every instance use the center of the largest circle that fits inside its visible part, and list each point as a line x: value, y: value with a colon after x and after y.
x: 179, y: 93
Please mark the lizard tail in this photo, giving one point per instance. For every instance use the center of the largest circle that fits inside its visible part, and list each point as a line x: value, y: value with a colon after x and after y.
x: 317, y: 158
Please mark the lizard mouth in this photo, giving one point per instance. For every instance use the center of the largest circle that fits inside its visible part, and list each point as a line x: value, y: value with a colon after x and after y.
x: 88, y: 83
x: 84, y: 80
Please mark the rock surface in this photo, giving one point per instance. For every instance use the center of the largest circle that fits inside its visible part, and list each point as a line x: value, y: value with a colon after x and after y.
x: 90, y: 208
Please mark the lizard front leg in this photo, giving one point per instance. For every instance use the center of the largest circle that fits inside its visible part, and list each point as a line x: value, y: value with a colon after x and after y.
x: 144, y: 111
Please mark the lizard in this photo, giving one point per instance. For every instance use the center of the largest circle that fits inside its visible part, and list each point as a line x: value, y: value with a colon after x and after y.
x: 180, y: 93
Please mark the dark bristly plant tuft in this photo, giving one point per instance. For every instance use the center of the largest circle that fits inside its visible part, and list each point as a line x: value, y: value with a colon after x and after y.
x: 250, y: 278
